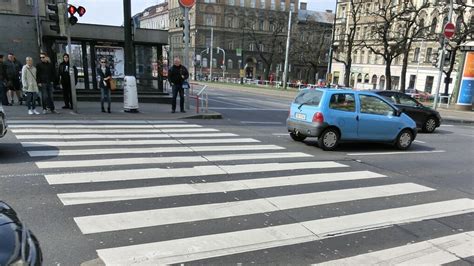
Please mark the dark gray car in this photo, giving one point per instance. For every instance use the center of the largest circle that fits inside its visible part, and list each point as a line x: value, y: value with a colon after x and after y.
x: 3, y: 122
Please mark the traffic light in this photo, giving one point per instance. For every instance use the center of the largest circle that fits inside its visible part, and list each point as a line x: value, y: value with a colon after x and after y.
x: 57, y: 13
x: 447, y: 58
x: 72, y: 10
x: 437, y: 59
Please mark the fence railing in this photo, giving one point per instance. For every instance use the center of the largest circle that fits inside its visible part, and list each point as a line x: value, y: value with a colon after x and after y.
x: 199, y: 93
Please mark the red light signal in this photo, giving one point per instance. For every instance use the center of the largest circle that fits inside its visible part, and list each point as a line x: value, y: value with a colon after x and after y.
x: 71, y: 10
x: 81, y: 11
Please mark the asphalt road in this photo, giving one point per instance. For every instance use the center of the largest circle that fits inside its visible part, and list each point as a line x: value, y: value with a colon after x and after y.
x: 237, y: 190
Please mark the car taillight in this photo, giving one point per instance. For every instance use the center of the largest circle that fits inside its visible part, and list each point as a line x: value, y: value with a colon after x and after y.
x: 318, y: 117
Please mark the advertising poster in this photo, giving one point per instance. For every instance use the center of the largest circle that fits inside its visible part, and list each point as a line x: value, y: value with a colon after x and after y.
x: 115, y: 59
x: 467, y: 83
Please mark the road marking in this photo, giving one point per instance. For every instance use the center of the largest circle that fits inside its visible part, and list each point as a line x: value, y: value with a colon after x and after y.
x: 446, y: 125
x: 134, y: 142
x: 125, y: 136
x: 466, y: 135
x: 152, y: 150
x: 257, y: 122
x: 436, y: 251
x: 419, y: 141
x: 280, y: 134
x: 95, y: 122
x: 223, y: 244
x: 206, y: 170
x: 393, y: 153
x: 169, y: 160
x: 112, y: 131
x: 88, y: 197
x: 147, y: 126
x: 147, y: 218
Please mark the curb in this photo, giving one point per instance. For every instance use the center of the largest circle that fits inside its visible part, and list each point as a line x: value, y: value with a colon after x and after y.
x: 205, y: 116
x: 457, y: 120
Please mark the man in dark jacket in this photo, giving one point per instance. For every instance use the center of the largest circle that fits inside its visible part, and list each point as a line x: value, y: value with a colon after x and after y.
x: 177, y: 75
x: 65, y: 80
x: 3, y: 82
x: 46, y: 76
x: 13, y: 78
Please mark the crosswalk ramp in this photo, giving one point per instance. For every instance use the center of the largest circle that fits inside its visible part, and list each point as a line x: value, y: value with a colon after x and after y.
x: 194, y: 180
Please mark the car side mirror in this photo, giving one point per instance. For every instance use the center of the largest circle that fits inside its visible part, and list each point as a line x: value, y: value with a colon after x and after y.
x: 397, y: 112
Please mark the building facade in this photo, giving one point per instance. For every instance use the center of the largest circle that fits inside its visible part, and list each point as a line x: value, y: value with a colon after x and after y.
x: 368, y: 69
x: 154, y: 17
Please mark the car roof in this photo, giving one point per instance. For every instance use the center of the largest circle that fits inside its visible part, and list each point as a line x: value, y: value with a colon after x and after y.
x: 346, y: 90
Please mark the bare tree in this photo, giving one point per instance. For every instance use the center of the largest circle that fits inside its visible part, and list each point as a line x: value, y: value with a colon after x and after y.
x: 268, y: 45
x: 464, y: 32
x: 387, y: 34
x: 413, y: 28
x: 310, y: 46
x: 347, y: 41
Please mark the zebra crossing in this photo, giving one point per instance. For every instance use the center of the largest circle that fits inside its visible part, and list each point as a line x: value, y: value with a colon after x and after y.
x: 94, y: 162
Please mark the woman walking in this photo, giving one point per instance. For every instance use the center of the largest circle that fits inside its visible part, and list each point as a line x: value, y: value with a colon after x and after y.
x: 104, y: 77
x: 28, y: 79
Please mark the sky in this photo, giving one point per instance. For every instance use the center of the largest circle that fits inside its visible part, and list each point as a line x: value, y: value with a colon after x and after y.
x: 110, y: 12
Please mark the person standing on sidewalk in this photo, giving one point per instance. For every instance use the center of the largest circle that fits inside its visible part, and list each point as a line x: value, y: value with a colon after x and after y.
x: 177, y: 75
x: 46, y: 76
x: 28, y: 79
x: 3, y: 82
x: 65, y: 80
x: 104, y: 77
x: 14, y: 68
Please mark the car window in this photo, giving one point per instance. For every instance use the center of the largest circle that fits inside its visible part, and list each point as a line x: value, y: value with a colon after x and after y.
x: 374, y: 105
x: 309, y: 97
x: 342, y: 102
x: 408, y: 101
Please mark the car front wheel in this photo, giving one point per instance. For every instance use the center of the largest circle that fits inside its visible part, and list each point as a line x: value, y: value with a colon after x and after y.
x: 430, y: 125
x: 404, y: 139
x: 297, y: 137
x: 329, y: 139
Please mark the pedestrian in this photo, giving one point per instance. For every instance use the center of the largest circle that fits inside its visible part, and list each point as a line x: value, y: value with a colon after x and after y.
x: 30, y: 85
x: 3, y: 82
x: 104, y: 77
x: 14, y: 68
x: 65, y: 80
x: 177, y: 75
x: 46, y: 76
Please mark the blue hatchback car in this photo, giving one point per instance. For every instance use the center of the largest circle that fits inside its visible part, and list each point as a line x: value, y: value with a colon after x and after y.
x: 334, y: 115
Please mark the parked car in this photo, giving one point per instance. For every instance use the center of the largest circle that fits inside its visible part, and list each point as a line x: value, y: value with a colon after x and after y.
x: 334, y: 115
x: 426, y: 118
x: 417, y: 94
x: 18, y: 245
x: 3, y: 122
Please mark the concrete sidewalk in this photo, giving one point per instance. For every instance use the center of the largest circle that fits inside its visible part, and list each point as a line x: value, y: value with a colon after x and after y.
x: 91, y: 110
x: 448, y: 114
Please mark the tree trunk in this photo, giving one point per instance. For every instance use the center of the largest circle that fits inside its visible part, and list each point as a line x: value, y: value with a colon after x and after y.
x: 347, y: 75
x: 388, y: 75
x: 404, y: 71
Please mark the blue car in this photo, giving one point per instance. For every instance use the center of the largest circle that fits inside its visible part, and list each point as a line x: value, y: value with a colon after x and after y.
x: 334, y: 115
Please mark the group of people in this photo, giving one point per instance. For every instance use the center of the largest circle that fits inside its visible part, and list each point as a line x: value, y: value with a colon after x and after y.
x: 33, y: 83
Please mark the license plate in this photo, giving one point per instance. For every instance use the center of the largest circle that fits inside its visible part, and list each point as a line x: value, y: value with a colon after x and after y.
x: 300, y: 116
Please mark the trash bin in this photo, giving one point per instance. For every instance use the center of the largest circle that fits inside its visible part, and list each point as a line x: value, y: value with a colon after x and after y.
x: 130, y: 94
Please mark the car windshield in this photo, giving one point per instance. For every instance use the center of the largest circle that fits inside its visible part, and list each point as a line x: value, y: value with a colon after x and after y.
x: 309, y: 97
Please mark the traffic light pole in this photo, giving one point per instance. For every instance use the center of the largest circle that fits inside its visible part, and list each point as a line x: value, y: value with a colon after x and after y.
x: 186, y: 48
x: 71, y: 67
x: 441, y: 62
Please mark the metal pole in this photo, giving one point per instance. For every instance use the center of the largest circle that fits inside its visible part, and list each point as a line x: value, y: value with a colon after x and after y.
x: 212, y: 47
x: 38, y: 25
x: 441, y: 63
x: 128, y: 47
x: 285, y: 73
x: 242, y: 57
x: 332, y: 40
x: 186, y: 49
x: 418, y: 64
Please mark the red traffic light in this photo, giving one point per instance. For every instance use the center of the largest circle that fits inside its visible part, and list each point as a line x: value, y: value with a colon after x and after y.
x: 71, y: 10
x: 81, y: 11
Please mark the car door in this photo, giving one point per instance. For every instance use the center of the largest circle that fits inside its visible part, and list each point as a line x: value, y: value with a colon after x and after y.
x: 342, y: 113
x: 377, y: 119
x: 412, y: 108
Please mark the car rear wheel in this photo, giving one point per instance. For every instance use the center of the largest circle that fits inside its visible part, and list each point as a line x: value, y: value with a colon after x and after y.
x: 430, y: 125
x: 404, y: 139
x: 329, y: 139
x: 297, y: 137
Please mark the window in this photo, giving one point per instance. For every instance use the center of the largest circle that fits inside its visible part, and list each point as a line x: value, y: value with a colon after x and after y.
x: 342, y: 102
x: 210, y: 1
x: 228, y: 22
x: 282, y: 5
x: 407, y: 101
x: 210, y: 20
x: 309, y: 97
x: 292, y: 7
x: 416, y: 55
x: 252, y: 47
x: 230, y: 64
x: 429, y: 84
x: 242, y: 3
x: 214, y: 62
x: 375, y: 106
x: 262, y: 3
x: 411, y: 85
x: 230, y: 46
x: 231, y: 2
x: 429, y: 52
x: 273, y: 5
x: 253, y: 3
x: 204, y: 62
x: 261, y: 47
x: 261, y: 24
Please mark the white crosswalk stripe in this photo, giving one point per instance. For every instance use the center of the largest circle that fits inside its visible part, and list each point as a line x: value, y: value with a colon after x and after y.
x: 216, y: 165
